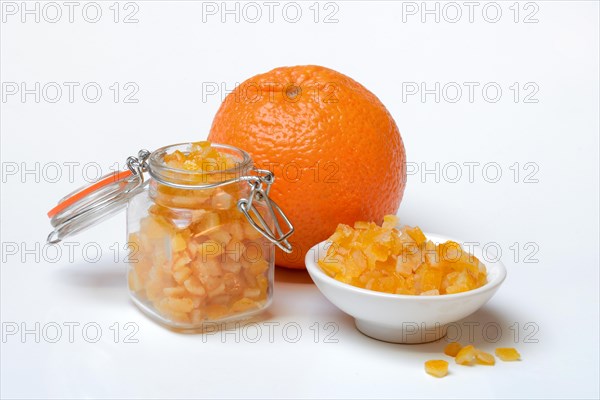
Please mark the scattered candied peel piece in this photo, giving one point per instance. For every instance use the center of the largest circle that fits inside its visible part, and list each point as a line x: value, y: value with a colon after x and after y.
x: 483, y: 358
x: 466, y: 355
x: 469, y: 355
x: 452, y: 349
x: 399, y: 260
x: 508, y: 354
x: 437, y: 368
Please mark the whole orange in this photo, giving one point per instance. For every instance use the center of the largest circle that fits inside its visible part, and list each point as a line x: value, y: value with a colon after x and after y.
x: 335, y: 150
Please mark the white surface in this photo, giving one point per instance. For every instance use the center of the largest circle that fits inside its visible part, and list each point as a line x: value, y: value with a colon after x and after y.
x: 169, y: 54
x: 403, y: 318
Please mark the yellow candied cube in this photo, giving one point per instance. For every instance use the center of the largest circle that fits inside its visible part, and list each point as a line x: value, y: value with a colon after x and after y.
x: 259, y: 266
x: 194, y: 286
x: 234, y: 284
x: 484, y: 358
x: 216, y: 311
x: 220, y: 236
x: 403, y: 267
x: 250, y: 232
x: 142, y: 267
x: 452, y: 349
x: 236, y: 230
x: 208, y: 222
x: 508, y: 354
x: 263, y: 284
x: 332, y: 264
x: 154, y: 290
x: 135, y: 283
x: 250, y: 278
x: 234, y: 250
x: 182, y: 274
x: 231, y: 266
x: 466, y: 355
x: 154, y: 227
x: 210, y: 248
x: 174, y: 291
x: 210, y: 268
x: 178, y: 243
x: 416, y: 234
x: 222, y: 200
x: 252, y: 293
x: 196, y: 316
x: 437, y: 368
x: 181, y: 262
x: 176, y: 304
x: 390, y: 221
x: 462, y: 282
x: 362, y: 225
x: 177, y: 316
x: 217, y: 291
x: 243, y: 304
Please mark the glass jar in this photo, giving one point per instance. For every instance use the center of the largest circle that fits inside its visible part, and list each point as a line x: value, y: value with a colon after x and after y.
x: 202, y: 241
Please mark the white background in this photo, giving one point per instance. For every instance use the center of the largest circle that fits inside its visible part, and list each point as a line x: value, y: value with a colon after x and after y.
x: 171, y: 54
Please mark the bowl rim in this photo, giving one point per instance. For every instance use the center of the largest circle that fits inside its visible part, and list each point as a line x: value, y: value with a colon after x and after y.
x: 314, y: 270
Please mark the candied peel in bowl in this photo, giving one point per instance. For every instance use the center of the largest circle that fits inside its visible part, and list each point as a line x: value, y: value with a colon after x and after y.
x: 400, y: 260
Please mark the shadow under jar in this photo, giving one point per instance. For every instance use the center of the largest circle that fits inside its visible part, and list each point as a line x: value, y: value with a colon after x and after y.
x: 203, y: 241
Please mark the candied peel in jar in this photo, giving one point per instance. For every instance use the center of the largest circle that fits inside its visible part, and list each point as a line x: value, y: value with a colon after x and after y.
x: 400, y: 260
x: 197, y: 256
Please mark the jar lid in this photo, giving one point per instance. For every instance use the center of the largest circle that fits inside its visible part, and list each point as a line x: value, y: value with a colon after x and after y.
x: 94, y: 203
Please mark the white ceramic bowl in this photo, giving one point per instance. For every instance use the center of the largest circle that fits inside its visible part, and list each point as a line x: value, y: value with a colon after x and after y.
x: 403, y: 318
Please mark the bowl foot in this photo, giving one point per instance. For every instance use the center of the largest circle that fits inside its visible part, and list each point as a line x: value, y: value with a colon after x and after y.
x: 408, y: 333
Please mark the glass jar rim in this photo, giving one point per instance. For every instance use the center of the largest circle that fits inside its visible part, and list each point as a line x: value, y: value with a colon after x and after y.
x: 160, y: 171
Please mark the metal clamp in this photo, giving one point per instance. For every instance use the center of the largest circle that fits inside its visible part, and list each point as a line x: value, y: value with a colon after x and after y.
x: 138, y: 165
x: 261, y: 186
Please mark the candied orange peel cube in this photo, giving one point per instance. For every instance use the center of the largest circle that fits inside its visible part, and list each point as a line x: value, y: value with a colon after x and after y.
x: 469, y: 355
x: 483, y: 358
x: 437, y: 368
x: 399, y: 260
x: 508, y: 354
x: 466, y: 355
x: 452, y: 349
x: 203, y: 157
